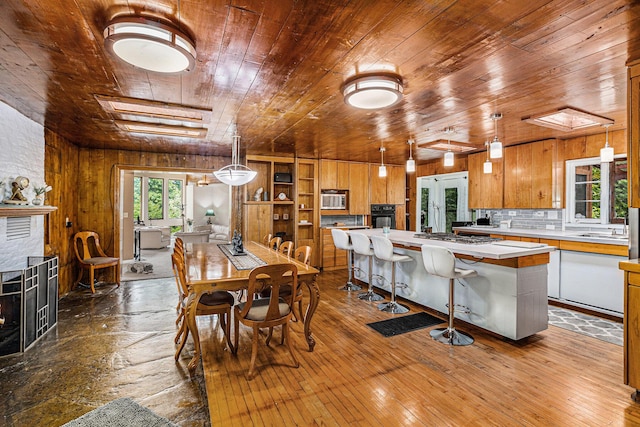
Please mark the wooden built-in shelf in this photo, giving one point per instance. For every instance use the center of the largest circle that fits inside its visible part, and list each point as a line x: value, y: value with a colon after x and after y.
x: 23, y: 210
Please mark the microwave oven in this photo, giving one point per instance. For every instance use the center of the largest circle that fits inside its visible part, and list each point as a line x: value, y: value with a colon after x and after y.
x: 334, y: 199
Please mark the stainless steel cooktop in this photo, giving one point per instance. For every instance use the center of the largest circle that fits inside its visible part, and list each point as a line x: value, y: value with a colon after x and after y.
x: 455, y: 238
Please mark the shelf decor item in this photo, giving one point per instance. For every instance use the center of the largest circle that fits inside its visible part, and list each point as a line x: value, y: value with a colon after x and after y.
x: 17, y: 185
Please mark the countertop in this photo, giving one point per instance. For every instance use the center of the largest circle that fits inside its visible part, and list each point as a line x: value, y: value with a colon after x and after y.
x: 350, y: 227
x: 572, y: 235
x: 489, y: 250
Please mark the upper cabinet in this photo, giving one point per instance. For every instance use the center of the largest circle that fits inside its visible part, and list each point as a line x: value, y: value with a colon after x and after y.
x: 390, y: 189
x: 530, y: 180
x: 359, y: 189
x: 334, y: 175
x: 633, y: 127
x: 485, y: 190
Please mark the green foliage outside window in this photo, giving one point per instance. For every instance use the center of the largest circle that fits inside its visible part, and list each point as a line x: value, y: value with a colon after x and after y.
x: 137, y: 198
x: 175, y: 198
x: 155, y: 199
x: 451, y: 206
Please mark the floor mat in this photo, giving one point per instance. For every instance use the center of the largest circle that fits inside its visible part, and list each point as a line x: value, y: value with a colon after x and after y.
x: 400, y: 325
x: 593, y: 326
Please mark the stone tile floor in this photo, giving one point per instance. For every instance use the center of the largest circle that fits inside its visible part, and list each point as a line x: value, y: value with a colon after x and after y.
x: 593, y: 326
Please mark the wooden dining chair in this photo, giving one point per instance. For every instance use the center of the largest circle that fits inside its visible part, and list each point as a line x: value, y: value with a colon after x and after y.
x: 218, y: 302
x: 91, y: 257
x: 178, y: 250
x: 266, y: 239
x: 286, y: 248
x: 275, y: 242
x: 270, y: 312
x: 303, y: 254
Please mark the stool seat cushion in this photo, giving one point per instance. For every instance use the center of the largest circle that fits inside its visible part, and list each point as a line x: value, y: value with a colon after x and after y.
x: 400, y: 258
x: 462, y: 273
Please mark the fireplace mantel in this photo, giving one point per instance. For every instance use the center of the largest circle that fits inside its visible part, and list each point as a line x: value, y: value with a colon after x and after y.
x: 21, y: 210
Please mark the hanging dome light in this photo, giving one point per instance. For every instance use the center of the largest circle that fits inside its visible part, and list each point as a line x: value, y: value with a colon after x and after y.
x: 606, y: 153
x: 448, y: 156
x: 411, y: 164
x: 235, y: 173
x: 495, y: 149
x: 150, y: 45
x: 371, y: 92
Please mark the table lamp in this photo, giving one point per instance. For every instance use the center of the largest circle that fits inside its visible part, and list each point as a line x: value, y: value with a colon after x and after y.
x: 209, y: 214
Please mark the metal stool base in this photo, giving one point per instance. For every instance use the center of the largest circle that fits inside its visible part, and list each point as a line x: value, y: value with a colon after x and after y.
x: 370, y: 296
x: 393, y: 307
x: 451, y: 336
x: 350, y: 287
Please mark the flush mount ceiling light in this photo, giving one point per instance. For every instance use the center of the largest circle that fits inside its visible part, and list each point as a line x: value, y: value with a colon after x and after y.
x: 371, y: 92
x: 235, y: 174
x: 567, y: 119
x: 495, y: 148
x: 382, y: 169
x: 150, y: 45
x: 606, y: 153
x: 487, y: 166
x: 411, y: 164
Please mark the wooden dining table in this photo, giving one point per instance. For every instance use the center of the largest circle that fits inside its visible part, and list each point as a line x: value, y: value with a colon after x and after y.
x: 209, y: 269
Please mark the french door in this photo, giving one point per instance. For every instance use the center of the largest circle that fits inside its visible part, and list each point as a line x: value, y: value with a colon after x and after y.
x: 443, y: 200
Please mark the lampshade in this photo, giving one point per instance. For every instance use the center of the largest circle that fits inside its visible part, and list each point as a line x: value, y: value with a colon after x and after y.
x: 210, y: 212
x: 235, y: 174
x: 382, y: 169
x: 150, y: 45
x: 371, y: 92
x: 487, y: 167
x: 606, y: 153
x: 448, y: 158
x: 495, y: 149
x: 411, y: 164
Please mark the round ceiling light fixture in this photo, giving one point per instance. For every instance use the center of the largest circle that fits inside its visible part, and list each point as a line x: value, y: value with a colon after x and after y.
x: 373, y: 91
x: 150, y: 45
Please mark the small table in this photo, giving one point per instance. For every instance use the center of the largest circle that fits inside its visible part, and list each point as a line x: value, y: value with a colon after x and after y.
x: 209, y: 270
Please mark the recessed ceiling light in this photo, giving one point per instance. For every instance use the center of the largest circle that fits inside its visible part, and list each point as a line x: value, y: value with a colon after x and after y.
x: 446, y: 145
x: 567, y: 119
x: 160, y: 110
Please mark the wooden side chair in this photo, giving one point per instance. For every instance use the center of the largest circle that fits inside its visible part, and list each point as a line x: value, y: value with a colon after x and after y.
x: 178, y: 250
x: 266, y: 239
x: 303, y: 254
x: 91, y: 257
x: 275, y: 242
x: 218, y: 302
x: 270, y: 312
x: 286, y: 248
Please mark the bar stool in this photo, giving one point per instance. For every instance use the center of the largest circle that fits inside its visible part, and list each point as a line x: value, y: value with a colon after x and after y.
x: 441, y: 262
x: 383, y: 249
x: 341, y: 240
x: 362, y: 246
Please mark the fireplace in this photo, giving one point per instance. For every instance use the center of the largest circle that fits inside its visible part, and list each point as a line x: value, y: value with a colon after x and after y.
x: 28, y: 304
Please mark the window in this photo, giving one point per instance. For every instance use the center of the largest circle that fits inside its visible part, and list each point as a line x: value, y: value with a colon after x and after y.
x: 155, y: 198
x: 175, y: 198
x: 597, y: 192
x: 137, y: 198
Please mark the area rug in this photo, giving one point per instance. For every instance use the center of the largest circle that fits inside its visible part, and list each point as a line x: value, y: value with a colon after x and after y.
x: 400, y: 325
x: 120, y: 413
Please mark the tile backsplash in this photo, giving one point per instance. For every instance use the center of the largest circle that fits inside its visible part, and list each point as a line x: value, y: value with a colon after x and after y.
x: 535, y: 219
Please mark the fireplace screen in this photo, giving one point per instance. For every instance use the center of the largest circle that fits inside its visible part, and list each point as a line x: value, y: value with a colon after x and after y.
x: 28, y: 304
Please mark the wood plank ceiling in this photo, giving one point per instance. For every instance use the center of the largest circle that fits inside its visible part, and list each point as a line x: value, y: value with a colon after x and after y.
x: 276, y: 69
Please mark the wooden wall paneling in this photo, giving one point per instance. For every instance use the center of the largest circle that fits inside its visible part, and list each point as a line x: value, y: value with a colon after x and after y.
x: 495, y: 198
x: 477, y: 184
x: 524, y: 174
x: 542, y: 174
x: 575, y: 148
x: 559, y: 175
x: 510, y: 161
x: 633, y: 136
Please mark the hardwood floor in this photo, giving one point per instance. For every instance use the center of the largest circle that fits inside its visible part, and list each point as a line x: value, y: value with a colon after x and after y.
x: 356, y: 376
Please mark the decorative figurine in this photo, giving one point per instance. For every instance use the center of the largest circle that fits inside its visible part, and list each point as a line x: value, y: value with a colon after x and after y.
x: 258, y: 194
x: 17, y: 198
x: 236, y: 244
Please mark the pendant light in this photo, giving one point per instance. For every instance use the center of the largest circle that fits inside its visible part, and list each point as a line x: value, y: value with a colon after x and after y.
x: 487, y: 167
x: 448, y: 156
x: 606, y: 153
x: 411, y: 164
x: 235, y: 173
x: 495, y: 148
x: 382, y: 169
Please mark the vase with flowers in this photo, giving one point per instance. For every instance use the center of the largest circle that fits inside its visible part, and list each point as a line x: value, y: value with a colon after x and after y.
x: 41, y: 192
x: 189, y: 225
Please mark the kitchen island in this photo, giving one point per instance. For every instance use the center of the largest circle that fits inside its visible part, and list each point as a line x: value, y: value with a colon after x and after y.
x: 507, y: 297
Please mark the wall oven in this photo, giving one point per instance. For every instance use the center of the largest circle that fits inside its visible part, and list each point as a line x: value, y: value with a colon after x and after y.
x: 383, y: 216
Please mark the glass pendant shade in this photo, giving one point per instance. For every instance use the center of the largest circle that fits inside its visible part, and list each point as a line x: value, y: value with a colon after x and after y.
x: 382, y: 171
x: 411, y: 165
x: 487, y: 167
x: 495, y: 149
x: 606, y: 154
x: 448, y: 158
x: 235, y: 174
